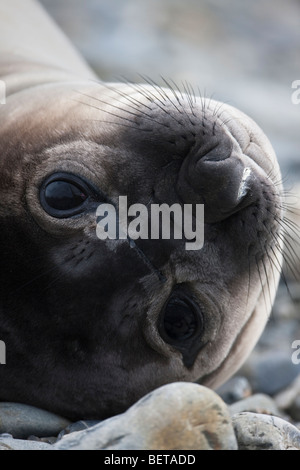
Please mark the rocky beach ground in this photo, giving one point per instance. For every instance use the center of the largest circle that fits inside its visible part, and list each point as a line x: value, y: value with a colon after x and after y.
x: 249, y: 56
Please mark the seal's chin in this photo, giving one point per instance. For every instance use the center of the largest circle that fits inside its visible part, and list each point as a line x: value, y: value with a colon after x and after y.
x: 96, y: 324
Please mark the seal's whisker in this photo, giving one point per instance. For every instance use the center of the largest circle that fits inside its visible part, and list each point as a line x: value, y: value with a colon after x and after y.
x: 156, y: 87
x: 279, y: 269
x: 290, y: 262
x: 277, y: 179
x: 290, y: 237
x: 210, y: 100
x: 148, y: 93
x: 283, y: 273
x: 136, y: 108
x: 134, y: 101
x: 108, y: 112
x: 133, y: 105
x: 281, y: 251
x: 202, y: 99
x: 293, y: 227
x: 138, y: 89
x: 174, y: 89
x: 118, y: 116
x: 266, y: 275
x: 166, y: 111
x: 288, y: 207
x: 249, y: 276
x: 53, y: 281
x: 114, y: 123
x: 122, y: 109
x: 261, y: 282
x: 218, y: 107
x: 288, y: 196
x: 34, y: 279
x: 175, y: 92
x: 177, y: 89
x: 292, y: 243
x: 294, y: 258
x: 205, y: 103
x: 271, y: 265
x: 286, y: 237
x: 182, y: 110
x: 193, y: 95
x: 189, y: 96
x: 179, y: 110
x: 151, y: 82
x: 224, y: 123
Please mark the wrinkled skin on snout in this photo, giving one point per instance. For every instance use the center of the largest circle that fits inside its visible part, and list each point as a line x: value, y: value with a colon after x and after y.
x: 91, y: 325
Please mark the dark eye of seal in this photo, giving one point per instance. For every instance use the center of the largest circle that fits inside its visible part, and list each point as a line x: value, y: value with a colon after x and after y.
x: 64, y: 195
x: 181, y: 325
x: 179, y: 320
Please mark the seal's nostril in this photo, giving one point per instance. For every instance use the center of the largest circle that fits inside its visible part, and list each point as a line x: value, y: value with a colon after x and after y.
x: 218, y: 179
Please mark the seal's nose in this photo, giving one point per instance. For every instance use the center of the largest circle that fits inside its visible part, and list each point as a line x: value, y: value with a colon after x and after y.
x: 215, y: 175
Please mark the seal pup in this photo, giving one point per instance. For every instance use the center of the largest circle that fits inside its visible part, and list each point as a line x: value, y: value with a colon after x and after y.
x: 91, y: 325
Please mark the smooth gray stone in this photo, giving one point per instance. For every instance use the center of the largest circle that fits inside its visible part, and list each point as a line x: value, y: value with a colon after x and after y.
x: 236, y: 388
x: 178, y: 416
x: 77, y: 426
x: 271, y: 371
x: 258, y: 403
x: 263, y: 432
x: 9, y: 443
x: 23, y: 420
x: 286, y: 397
x: 294, y: 410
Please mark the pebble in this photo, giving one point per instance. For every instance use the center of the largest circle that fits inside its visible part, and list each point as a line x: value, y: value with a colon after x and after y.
x: 9, y: 443
x: 263, y: 432
x: 77, y: 426
x: 178, y: 416
x: 294, y: 409
x: 270, y: 371
x: 21, y: 421
x: 286, y: 397
x: 235, y: 389
x: 257, y: 403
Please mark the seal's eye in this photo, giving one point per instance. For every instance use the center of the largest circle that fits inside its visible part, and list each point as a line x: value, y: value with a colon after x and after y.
x: 181, y: 325
x: 64, y: 195
x: 179, y: 320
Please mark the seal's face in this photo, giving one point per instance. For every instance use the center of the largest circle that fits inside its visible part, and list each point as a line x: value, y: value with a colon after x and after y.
x: 92, y: 325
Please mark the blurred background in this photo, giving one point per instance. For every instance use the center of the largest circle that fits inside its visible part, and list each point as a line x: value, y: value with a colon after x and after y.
x: 244, y: 53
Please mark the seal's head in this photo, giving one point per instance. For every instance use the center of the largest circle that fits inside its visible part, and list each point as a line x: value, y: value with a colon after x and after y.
x: 92, y: 325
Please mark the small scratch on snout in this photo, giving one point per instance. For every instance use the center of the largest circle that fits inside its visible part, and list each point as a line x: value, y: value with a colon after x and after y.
x: 243, y: 185
x: 146, y: 260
